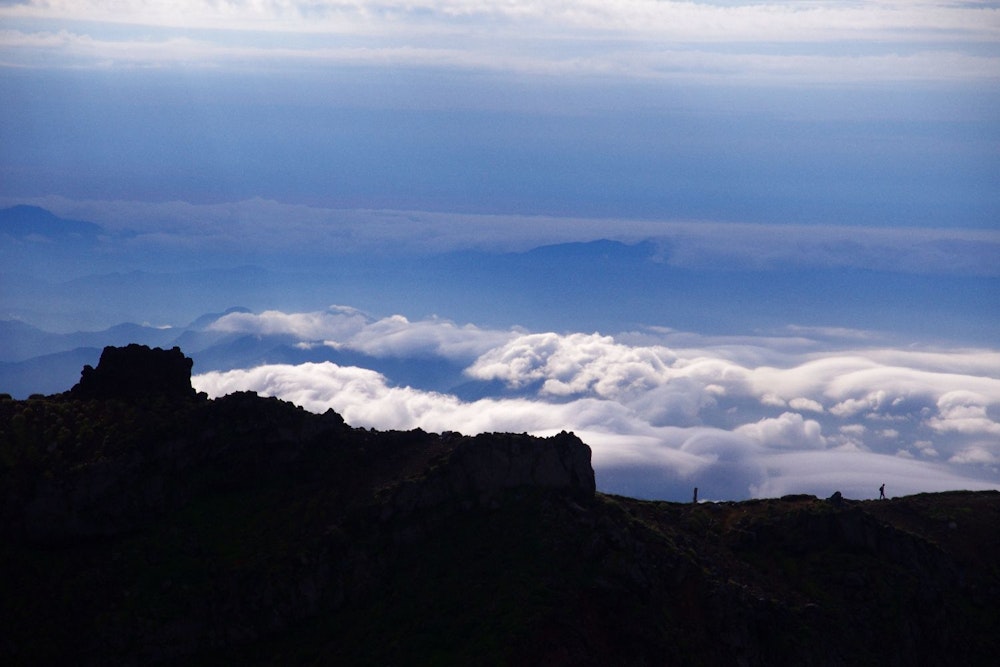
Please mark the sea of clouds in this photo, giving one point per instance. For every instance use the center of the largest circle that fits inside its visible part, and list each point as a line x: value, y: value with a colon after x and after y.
x: 806, y: 410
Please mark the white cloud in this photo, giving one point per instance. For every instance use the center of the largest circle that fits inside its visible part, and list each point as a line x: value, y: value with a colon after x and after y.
x: 574, y: 364
x: 789, y: 430
x: 396, y: 336
x: 365, y: 398
x: 342, y: 327
x: 633, y: 38
x: 658, y: 380
x: 976, y: 455
x: 697, y: 21
x: 805, y: 404
x: 664, y: 419
x: 965, y: 412
x: 855, y: 406
x: 335, y: 323
x: 858, y: 474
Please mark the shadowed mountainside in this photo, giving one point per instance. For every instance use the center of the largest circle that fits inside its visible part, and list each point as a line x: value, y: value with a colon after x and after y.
x: 144, y: 524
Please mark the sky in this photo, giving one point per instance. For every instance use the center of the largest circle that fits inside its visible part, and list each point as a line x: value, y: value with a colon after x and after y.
x: 809, y: 192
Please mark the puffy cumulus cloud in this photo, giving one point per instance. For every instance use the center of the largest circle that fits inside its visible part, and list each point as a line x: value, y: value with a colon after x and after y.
x: 366, y: 398
x: 805, y: 404
x: 362, y: 396
x: 774, y: 401
x: 681, y: 402
x: 664, y: 419
x: 789, y: 430
x: 574, y: 364
x: 848, y: 385
x: 965, y: 412
x: 844, y: 390
x: 852, y: 407
x: 650, y: 380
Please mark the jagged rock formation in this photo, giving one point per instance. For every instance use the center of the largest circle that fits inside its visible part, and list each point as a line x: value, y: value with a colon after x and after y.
x: 160, y: 527
x: 136, y: 370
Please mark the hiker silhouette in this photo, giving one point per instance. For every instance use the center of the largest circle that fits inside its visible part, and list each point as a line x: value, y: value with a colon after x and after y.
x: 881, y: 492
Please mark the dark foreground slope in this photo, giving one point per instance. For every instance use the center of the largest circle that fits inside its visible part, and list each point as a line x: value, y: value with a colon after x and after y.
x: 143, y: 524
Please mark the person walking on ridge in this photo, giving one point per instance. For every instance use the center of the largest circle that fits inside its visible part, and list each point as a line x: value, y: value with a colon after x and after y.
x: 881, y: 492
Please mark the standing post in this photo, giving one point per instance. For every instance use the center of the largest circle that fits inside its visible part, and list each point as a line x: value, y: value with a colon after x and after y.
x: 695, y: 500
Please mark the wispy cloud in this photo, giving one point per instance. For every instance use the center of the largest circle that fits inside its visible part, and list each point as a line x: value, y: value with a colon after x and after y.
x: 699, y: 20
x: 346, y: 328
x: 768, y: 41
x: 815, y: 417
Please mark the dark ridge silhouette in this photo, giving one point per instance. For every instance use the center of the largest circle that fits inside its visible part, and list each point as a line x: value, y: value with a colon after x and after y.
x: 134, y: 371
x: 143, y: 524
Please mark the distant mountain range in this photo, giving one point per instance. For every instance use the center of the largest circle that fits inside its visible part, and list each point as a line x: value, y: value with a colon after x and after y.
x: 61, y: 275
x: 27, y: 222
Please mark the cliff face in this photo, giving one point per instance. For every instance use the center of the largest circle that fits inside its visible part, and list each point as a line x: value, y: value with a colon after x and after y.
x: 155, y: 526
x: 481, y: 470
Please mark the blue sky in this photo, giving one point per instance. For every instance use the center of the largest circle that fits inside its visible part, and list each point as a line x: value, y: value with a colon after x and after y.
x: 872, y: 113
x: 823, y: 175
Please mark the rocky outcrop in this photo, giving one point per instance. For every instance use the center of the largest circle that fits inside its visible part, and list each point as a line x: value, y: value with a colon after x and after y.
x: 154, y: 455
x: 136, y: 371
x: 480, y: 469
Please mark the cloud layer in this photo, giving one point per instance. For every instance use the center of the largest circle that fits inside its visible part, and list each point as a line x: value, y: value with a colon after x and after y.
x: 665, y: 412
x: 700, y: 20
x: 767, y: 41
x: 262, y: 226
